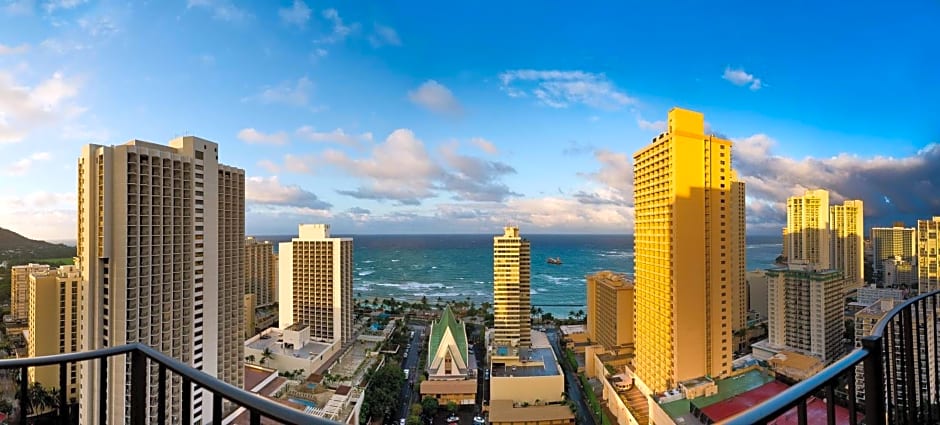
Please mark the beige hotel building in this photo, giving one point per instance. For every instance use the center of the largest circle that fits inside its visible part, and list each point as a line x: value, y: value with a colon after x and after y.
x: 610, y: 309
x: 161, y: 239
x: 830, y: 238
x: 511, y: 291
x: 54, y: 303
x: 928, y: 255
x: 19, y: 289
x: 689, y: 254
x: 315, y: 283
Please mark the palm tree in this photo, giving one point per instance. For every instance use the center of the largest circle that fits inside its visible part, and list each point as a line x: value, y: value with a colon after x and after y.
x: 579, y: 314
x: 266, y: 355
x: 250, y: 358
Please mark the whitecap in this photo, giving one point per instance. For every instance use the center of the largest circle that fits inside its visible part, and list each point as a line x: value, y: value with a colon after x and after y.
x: 366, y: 272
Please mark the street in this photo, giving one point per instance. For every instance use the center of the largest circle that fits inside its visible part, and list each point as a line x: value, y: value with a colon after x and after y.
x: 410, y: 363
x: 572, y: 383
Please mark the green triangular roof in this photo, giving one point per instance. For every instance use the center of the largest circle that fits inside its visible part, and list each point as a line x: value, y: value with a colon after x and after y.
x: 457, y: 329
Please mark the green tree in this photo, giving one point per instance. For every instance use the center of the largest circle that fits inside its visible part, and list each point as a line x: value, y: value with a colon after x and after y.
x: 416, y: 409
x: 430, y: 406
x: 250, y: 358
x: 382, y: 394
x: 451, y: 406
x: 266, y: 355
x: 413, y: 420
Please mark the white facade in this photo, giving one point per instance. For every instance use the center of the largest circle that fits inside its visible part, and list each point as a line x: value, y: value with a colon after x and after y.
x: 808, y: 229
x: 161, y: 248
x: 315, y: 283
x: 928, y: 255
x: 806, y: 309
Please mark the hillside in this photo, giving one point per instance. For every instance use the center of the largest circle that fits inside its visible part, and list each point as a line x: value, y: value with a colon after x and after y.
x: 14, y: 246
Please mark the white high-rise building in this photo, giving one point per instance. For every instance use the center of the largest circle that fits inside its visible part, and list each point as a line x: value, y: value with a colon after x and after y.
x: 161, y: 233
x: 928, y: 255
x: 805, y: 309
x: 893, y: 242
x: 315, y: 283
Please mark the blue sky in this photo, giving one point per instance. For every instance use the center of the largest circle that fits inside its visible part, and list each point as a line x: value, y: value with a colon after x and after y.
x: 420, y: 118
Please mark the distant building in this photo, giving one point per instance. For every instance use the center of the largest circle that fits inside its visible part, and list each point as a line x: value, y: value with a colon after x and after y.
x: 928, y: 255
x: 869, y: 295
x: 19, y: 289
x: 250, y: 322
x: 504, y: 412
x: 808, y: 229
x: 687, y: 198
x: 315, y: 283
x: 806, y: 310
x: 534, y: 375
x: 757, y: 293
x: 610, y: 309
x: 893, y: 242
x: 260, y: 271
x: 54, y: 304
x: 848, y: 245
x: 897, y: 272
x: 511, y: 290
x: 865, y: 320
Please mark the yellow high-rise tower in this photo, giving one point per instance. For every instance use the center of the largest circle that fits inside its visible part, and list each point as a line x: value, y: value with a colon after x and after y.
x: 808, y: 229
x: 688, y: 253
x: 848, y: 244
x: 511, y: 296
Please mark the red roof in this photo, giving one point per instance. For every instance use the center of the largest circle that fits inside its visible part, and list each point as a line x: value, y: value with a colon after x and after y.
x: 815, y: 408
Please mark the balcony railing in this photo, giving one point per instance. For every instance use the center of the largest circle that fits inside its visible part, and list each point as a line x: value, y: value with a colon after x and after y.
x: 901, y: 374
x: 141, y: 356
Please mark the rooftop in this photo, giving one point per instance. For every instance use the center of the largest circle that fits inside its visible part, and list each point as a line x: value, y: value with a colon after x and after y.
x: 465, y: 386
x: 727, y: 388
x: 503, y: 411
x: 543, y: 364
x: 310, y: 350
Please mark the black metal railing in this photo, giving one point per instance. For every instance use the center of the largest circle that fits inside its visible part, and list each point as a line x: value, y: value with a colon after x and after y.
x: 901, y: 374
x: 140, y: 356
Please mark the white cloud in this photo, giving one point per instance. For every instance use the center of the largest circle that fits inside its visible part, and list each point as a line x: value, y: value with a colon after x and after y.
x: 300, y: 164
x: 340, y: 29
x: 269, y: 166
x: 657, y: 126
x: 255, y: 137
x: 40, y: 215
x: 270, y: 191
x: 222, y: 10
x: 25, y: 165
x: 485, y: 145
x: 320, y: 52
x: 560, y: 89
x: 384, y: 36
x: 19, y: 7
x: 336, y: 136
x: 13, y: 50
x: 26, y: 108
x: 296, y: 94
x: 436, y: 98
x: 298, y: 14
x: 739, y: 77
x: 101, y: 26
x: 52, y: 5
x: 60, y: 46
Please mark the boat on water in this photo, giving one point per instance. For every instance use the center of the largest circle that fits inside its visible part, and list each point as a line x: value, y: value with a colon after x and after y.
x: 556, y: 260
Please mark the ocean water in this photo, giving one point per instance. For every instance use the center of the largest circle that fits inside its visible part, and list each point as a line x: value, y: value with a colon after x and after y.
x: 457, y: 267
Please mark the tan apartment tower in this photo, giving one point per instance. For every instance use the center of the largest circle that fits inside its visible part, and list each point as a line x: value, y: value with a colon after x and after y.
x: 890, y: 242
x: 54, y: 303
x: 805, y: 309
x: 808, y: 229
x: 848, y: 242
x: 315, y: 283
x: 687, y: 268
x: 610, y: 309
x: 19, y: 289
x: 511, y: 290
x: 928, y: 255
x: 260, y: 271
x: 161, y: 233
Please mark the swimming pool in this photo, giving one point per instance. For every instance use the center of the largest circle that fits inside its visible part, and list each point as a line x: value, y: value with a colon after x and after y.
x: 307, y: 403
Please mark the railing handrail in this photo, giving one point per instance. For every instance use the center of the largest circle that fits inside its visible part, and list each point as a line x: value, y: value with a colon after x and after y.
x: 791, y: 397
x: 228, y: 391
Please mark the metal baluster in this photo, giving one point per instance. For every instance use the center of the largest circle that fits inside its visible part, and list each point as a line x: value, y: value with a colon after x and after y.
x: 161, y: 395
x: 853, y: 393
x: 907, y: 325
x: 874, y: 384
x: 139, y: 386
x: 831, y: 403
x: 255, y: 418
x: 103, y: 391
x: 889, y: 371
x: 187, y: 412
x: 801, y: 413
x: 217, y: 408
x: 63, y: 392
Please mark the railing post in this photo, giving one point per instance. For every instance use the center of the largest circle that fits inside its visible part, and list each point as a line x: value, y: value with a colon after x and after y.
x: 138, y: 388
x: 24, y: 394
x: 874, y: 381
x: 63, y: 392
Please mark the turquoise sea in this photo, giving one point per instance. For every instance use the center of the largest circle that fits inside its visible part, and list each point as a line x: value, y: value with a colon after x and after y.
x: 460, y: 266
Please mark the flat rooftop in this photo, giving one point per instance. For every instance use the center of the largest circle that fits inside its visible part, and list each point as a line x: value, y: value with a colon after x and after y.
x: 727, y: 388
x: 309, y: 350
x: 548, y: 367
x: 503, y: 411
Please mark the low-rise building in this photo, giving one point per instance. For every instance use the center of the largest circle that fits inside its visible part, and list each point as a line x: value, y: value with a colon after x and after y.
x: 450, y: 364
x: 532, y: 377
x: 505, y: 412
x: 289, y: 349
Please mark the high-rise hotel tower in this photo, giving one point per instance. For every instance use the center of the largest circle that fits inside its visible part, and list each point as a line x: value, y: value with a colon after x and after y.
x: 511, y: 297
x: 689, y: 259
x: 161, y: 237
x: 315, y: 283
